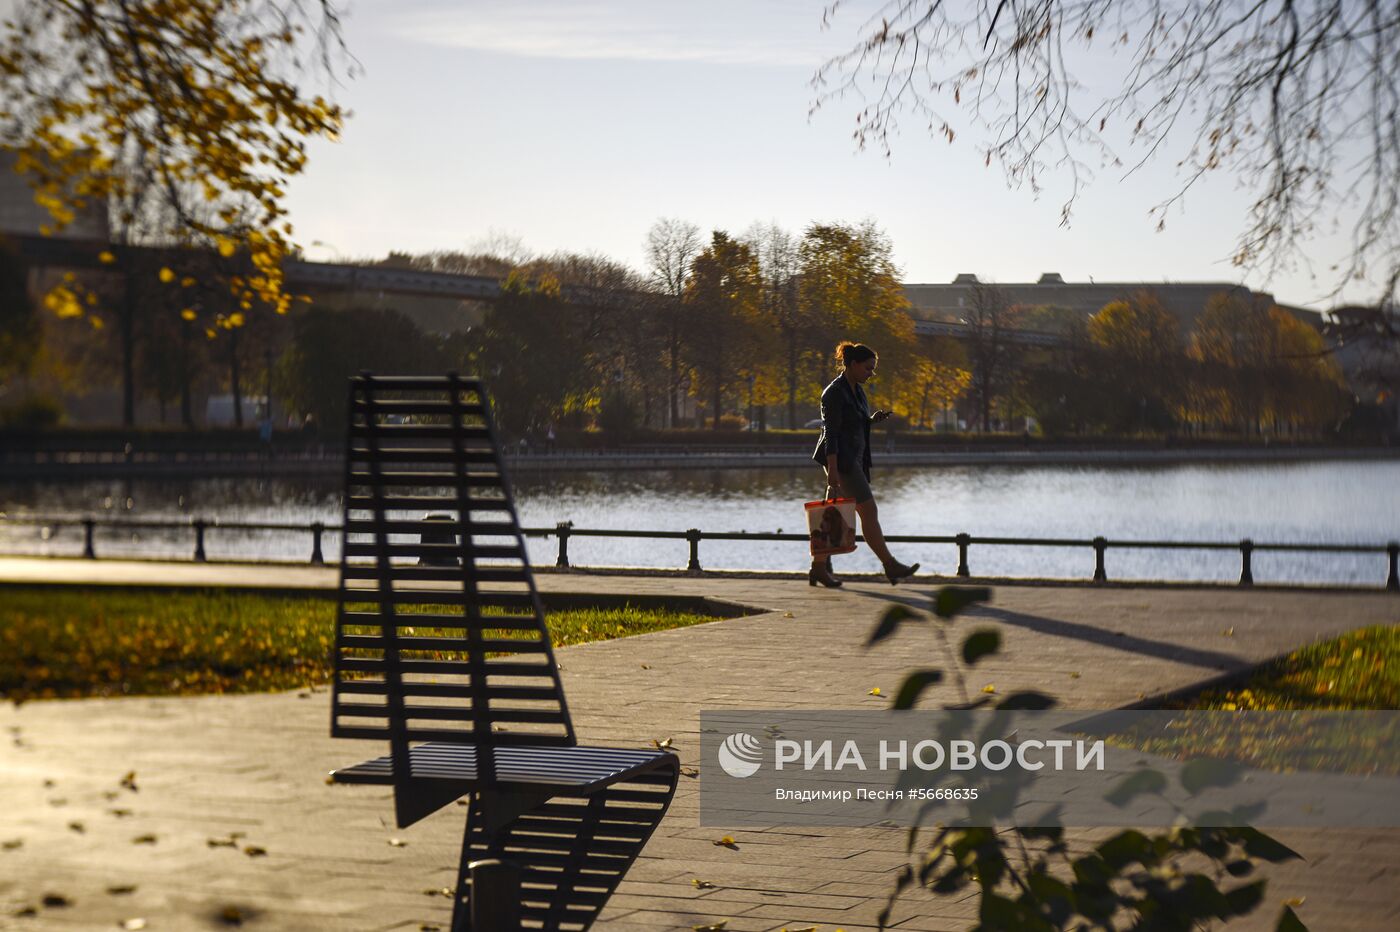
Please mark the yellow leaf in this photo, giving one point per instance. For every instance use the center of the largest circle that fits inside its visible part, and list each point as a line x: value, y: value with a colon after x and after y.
x: 167, y: 276
x: 1295, y: 901
x: 106, y: 257
x: 227, y: 246
x: 727, y: 842
x: 235, y: 319
x: 188, y: 314
x: 989, y: 688
x: 876, y: 692
x: 186, y: 282
x: 702, y: 884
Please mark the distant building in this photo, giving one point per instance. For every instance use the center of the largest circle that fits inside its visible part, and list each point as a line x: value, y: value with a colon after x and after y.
x: 19, y: 213
x: 1184, y: 299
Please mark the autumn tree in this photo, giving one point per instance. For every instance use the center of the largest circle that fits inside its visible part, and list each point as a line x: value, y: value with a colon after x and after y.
x: 621, y: 326
x: 1296, y: 101
x: 1139, y: 355
x: 671, y: 248
x: 721, y: 328
x: 184, y: 117
x: 1233, y: 339
x: 1307, y: 390
x: 929, y: 387
x: 533, y: 353
x: 850, y: 289
x: 330, y: 346
x: 19, y: 324
x: 990, y: 320
x: 783, y: 311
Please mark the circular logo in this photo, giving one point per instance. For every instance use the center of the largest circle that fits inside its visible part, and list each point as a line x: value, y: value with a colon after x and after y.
x: 740, y: 755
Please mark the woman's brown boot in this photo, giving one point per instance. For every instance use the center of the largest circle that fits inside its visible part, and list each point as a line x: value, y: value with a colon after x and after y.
x: 821, y: 573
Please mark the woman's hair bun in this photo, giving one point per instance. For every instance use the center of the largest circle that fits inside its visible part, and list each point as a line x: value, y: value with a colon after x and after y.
x: 849, y: 351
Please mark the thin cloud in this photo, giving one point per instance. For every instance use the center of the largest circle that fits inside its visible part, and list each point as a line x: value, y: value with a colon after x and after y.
x: 723, y: 33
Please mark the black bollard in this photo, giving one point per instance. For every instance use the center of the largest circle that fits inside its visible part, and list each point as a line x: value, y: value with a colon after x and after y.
x: 963, y: 541
x: 495, y: 895
x: 317, y: 557
x: 693, y: 535
x: 1246, y: 570
x: 562, y: 529
x: 1100, y: 545
x: 90, y: 552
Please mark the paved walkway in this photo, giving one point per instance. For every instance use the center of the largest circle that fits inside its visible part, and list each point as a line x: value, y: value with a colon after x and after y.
x: 306, y: 855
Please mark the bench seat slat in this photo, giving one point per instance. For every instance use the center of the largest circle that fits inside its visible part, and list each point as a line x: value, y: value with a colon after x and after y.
x: 577, y: 768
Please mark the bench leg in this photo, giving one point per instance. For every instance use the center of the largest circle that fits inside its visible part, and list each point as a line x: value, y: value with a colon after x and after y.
x: 571, y: 852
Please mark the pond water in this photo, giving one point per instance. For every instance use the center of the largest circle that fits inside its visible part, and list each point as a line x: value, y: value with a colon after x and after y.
x: 1315, y: 502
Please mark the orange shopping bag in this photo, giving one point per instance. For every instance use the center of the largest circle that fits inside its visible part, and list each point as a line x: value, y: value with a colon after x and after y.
x: 832, y: 526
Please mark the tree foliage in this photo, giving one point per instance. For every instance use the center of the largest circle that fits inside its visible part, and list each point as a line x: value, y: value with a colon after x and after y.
x: 184, y: 115
x: 1297, y: 100
x: 722, y: 328
x: 19, y: 326
x: 1139, y: 351
x: 1038, y: 877
x: 330, y: 346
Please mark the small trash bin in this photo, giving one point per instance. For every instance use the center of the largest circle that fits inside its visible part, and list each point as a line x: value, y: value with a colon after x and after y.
x: 445, y: 536
x: 831, y: 524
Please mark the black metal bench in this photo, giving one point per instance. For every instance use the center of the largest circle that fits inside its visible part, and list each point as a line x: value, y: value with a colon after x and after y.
x: 441, y: 649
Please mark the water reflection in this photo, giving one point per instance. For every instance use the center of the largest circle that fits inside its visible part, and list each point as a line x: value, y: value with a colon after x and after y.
x: 1335, y: 502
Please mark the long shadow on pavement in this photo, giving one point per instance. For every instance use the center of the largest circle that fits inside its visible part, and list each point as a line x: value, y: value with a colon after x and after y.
x: 1177, y: 653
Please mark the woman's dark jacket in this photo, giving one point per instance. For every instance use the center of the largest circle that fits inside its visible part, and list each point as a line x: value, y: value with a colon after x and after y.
x: 845, y: 426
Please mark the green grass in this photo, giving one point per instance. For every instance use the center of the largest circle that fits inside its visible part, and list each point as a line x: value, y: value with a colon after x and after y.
x: 1358, y: 670
x: 70, y: 643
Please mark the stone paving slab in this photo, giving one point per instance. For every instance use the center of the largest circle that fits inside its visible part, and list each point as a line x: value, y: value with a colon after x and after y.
x: 210, y: 766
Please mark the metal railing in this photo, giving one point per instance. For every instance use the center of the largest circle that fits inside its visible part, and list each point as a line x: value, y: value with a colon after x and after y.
x: 565, y: 531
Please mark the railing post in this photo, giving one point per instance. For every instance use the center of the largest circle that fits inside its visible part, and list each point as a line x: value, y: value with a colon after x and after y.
x: 693, y: 535
x: 90, y: 552
x: 199, y: 540
x: 1100, y: 545
x: 495, y: 896
x: 317, y: 557
x: 1246, y: 570
x: 562, y: 529
x: 963, y: 541
x: 1392, y: 582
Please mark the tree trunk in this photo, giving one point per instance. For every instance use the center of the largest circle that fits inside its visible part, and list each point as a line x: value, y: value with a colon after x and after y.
x: 128, y: 323
x: 233, y: 377
x: 792, y: 382
x: 674, y: 383
x: 186, y: 409
x: 718, y: 393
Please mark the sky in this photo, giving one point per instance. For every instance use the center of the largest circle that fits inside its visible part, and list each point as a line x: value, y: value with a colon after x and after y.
x: 575, y: 124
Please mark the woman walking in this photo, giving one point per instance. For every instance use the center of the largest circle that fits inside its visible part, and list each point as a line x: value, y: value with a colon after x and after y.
x: 844, y: 452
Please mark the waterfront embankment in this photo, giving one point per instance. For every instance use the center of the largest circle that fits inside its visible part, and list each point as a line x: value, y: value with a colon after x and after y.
x: 329, y: 462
